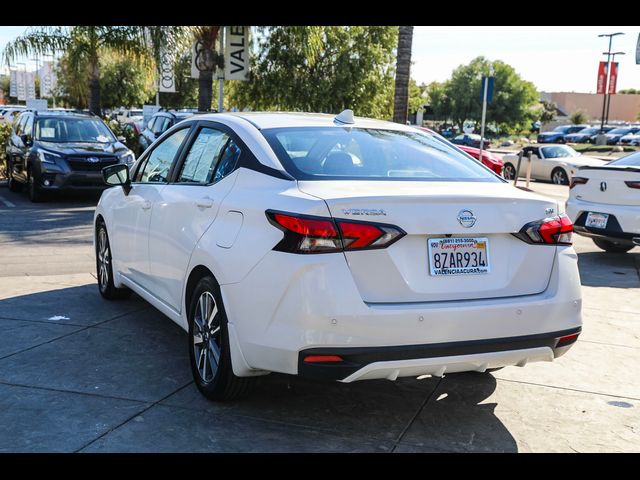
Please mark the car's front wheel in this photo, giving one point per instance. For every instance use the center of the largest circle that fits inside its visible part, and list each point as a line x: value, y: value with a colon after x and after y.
x: 509, y: 171
x: 35, y: 192
x: 209, y: 349
x: 104, y: 267
x: 559, y: 177
x: 611, y: 247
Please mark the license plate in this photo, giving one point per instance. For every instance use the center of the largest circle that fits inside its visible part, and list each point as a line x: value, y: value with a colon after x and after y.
x: 458, y: 256
x: 596, y: 220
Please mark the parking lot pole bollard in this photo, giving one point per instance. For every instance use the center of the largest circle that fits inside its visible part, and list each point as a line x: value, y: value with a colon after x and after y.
x: 528, y: 168
x: 515, y: 180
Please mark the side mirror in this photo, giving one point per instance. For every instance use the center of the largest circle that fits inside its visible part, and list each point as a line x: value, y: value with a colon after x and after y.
x: 118, y: 174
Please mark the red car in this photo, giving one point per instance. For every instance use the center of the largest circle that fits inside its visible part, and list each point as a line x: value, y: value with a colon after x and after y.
x: 489, y: 160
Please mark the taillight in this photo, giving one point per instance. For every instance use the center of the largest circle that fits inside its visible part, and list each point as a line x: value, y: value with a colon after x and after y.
x: 309, y: 234
x: 578, y: 181
x: 633, y: 184
x: 549, y: 231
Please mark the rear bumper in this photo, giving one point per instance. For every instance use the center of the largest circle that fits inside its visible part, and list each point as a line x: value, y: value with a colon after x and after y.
x: 312, y: 304
x: 434, y: 359
x: 623, y: 224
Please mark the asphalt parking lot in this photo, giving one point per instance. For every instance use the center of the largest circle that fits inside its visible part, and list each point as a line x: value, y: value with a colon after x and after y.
x: 78, y: 373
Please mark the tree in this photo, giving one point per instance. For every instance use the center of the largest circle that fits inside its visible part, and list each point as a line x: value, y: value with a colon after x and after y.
x: 629, y: 91
x: 403, y: 74
x: 578, y: 117
x: 321, y: 69
x: 125, y: 82
x: 84, y: 46
x: 548, y: 112
x: 512, y: 101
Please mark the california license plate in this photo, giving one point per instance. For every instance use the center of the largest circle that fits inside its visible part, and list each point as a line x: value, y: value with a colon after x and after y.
x: 458, y: 256
x: 596, y: 220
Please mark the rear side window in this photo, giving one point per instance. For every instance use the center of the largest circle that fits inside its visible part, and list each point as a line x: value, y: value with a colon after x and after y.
x: 203, y: 156
x: 371, y: 154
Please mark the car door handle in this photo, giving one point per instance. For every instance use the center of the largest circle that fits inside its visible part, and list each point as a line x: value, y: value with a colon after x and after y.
x: 205, y: 202
x: 146, y: 205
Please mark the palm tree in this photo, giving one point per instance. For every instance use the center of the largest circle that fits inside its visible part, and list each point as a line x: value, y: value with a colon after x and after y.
x: 83, y: 45
x: 206, y: 62
x: 403, y: 69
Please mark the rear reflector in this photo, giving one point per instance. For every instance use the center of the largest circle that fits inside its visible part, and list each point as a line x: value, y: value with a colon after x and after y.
x: 548, y: 231
x: 578, y: 181
x: 633, y: 184
x: 567, y: 340
x: 323, y: 359
x: 307, y: 234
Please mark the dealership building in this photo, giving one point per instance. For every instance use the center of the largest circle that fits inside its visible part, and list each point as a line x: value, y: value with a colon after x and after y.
x: 623, y: 108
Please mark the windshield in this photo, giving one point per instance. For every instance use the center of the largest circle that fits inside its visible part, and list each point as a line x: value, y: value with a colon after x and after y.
x: 562, y: 129
x: 588, y: 131
x: 559, y: 151
x: 620, y: 130
x: 338, y: 153
x: 632, y: 160
x: 89, y: 130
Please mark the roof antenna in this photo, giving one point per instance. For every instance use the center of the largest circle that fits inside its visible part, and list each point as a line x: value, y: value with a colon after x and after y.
x: 345, y: 116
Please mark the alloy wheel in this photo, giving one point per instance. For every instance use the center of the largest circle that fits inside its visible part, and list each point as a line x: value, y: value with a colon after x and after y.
x: 104, y: 259
x: 206, y: 337
x: 559, y: 177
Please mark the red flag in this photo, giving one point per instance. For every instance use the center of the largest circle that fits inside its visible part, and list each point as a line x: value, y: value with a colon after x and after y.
x: 613, y: 78
x: 602, y: 77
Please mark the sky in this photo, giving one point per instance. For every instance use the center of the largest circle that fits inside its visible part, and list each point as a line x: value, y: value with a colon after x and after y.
x: 553, y: 58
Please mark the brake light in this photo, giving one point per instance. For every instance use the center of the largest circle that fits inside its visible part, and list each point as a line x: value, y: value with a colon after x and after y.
x: 578, y: 181
x: 307, y: 234
x: 323, y: 359
x: 633, y: 184
x: 549, y: 231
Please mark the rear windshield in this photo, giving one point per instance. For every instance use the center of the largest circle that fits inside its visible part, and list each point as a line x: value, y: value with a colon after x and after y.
x: 73, y: 130
x: 632, y: 160
x: 316, y: 153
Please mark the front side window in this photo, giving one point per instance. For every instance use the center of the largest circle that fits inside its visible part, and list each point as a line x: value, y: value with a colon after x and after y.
x: 161, y: 125
x: 156, y: 167
x: 62, y: 130
x: 371, y: 154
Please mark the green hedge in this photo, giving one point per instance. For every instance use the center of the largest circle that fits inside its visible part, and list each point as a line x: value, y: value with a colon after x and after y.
x: 5, y: 133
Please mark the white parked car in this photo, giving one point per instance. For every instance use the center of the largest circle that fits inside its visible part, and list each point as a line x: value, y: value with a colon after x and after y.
x: 336, y: 248
x: 604, y: 204
x: 557, y: 163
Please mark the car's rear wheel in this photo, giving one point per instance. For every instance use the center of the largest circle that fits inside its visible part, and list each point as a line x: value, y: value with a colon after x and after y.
x: 104, y: 267
x: 209, y: 349
x: 559, y: 177
x: 611, y: 247
x: 35, y: 193
x: 14, y: 185
x: 509, y: 171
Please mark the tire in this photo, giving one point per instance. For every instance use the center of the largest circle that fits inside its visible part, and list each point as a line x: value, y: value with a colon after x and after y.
x: 104, y: 267
x: 209, y: 351
x: 559, y: 176
x: 13, y: 185
x: 509, y: 171
x: 35, y: 193
x: 611, y: 247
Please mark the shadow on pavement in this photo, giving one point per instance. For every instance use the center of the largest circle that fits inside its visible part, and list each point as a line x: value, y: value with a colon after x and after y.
x: 602, y: 269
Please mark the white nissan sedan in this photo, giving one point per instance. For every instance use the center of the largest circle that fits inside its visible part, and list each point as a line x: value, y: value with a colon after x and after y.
x: 338, y: 248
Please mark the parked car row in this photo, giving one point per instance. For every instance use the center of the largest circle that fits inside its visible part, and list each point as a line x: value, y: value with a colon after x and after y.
x: 586, y: 134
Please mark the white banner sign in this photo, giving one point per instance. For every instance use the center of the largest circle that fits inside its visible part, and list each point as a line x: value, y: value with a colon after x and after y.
x: 21, y: 84
x: 196, y: 48
x: 37, y: 104
x: 47, y: 80
x: 167, y: 80
x: 13, y: 83
x: 31, y: 86
x: 236, y: 53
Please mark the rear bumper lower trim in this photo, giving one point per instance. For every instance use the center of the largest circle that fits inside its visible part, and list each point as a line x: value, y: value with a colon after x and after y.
x: 356, y: 358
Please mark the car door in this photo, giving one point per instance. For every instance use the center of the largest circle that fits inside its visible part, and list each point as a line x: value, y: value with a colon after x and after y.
x: 131, y: 216
x: 537, y: 164
x: 188, y: 206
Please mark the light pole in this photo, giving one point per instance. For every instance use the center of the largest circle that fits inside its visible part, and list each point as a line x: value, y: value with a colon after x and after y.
x: 613, y: 61
x: 606, y: 85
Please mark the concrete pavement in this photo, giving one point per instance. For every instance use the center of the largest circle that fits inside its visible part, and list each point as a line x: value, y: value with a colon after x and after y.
x: 78, y: 373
